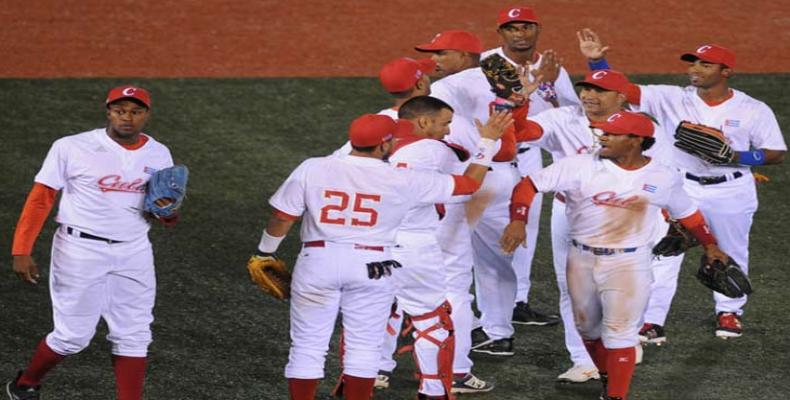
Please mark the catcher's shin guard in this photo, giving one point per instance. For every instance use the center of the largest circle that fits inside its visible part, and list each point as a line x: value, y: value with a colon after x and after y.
x: 446, y: 346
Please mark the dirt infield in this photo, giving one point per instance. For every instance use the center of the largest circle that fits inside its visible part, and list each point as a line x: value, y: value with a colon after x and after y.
x: 270, y: 38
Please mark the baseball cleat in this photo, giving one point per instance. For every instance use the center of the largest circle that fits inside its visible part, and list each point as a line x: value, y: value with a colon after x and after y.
x: 524, y: 315
x: 15, y: 392
x: 479, y: 337
x: 652, y: 334
x: 579, y: 374
x: 471, y: 384
x: 604, y: 387
x: 499, y: 347
x: 382, y: 380
x: 728, y: 325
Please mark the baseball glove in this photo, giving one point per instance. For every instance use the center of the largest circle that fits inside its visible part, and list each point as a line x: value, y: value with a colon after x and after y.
x: 165, y: 191
x: 271, y: 275
x: 703, y: 142
x: 727, y: 279
x: 503, y: 78
x: 676, y: 241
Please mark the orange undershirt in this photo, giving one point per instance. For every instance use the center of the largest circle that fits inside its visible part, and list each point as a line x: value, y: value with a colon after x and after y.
x: 521, y: 130
x: 37, y: 207
x: 695, y: 223
x: 464, y: 185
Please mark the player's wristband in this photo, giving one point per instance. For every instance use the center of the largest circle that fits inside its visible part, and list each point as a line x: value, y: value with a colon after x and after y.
x: 519, y: 212
x: 486, y: 148
x: 269, y: 243
x: 598, y: 65
x: 754, y: 157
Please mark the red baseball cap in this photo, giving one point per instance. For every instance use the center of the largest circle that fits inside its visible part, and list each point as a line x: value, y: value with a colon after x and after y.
x: 453, y: 40
x: 606, y: 79
x: 713, y: 54
x: 374, y: 129
x: 130, y: 92
x: 517, y: 14
x: 627, y: 123
x: 402, y: 74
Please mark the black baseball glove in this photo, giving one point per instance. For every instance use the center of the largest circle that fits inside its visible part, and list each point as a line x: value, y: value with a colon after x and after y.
x: 676, y: 241
x: 727, y: 279
x: 379, y: 269
x: 703, y: 142
x: 503, y: 78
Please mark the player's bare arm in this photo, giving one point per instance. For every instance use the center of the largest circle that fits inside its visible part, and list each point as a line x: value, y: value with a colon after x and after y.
x: 590, y: 45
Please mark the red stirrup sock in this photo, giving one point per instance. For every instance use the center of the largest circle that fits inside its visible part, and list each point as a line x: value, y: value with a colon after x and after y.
x: 42, y: 362
x: 620, y: 364
x: 598, y: 353
x: 302, y: 389
x: 356, y: 388
x: 129, y: 377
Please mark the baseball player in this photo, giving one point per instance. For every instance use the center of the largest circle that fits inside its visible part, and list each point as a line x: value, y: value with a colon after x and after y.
x: 726, y: 193
x: 469, y: 93
x: 612, y: 198
x: 564, y: 132
x: 420, y: 285
x: 102, y: 264
x: 352, y: 207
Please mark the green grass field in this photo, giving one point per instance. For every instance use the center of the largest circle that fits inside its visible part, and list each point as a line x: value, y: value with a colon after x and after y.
x: 217, y: 336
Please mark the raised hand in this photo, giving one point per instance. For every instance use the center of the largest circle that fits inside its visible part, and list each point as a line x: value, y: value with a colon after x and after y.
x: 549, y: 69
x: 496, y: 125
x: 590, y: 44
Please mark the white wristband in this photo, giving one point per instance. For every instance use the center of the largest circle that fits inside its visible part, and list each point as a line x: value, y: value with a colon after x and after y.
x: 269, y: 243
x: 485, y: 152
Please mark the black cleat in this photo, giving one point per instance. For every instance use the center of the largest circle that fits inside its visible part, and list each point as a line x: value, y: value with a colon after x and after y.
x: 15, y: 392
x: 524, y: 315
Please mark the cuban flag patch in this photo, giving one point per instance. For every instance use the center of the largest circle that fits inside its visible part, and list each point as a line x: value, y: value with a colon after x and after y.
x: 732, y: 123
x: 149, y: 170
x: 649, y: 188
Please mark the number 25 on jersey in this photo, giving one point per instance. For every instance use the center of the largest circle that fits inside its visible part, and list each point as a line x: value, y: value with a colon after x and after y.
x: 363, y: 212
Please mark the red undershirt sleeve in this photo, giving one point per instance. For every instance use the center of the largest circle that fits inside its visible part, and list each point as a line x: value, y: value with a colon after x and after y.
x: 464, y: 185
x: 696, y: 225
x: 634, y: 94
x: 521, y: 199
x: 34, y: 214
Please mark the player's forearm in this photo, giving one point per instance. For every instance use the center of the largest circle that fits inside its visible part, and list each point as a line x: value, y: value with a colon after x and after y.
x: 278, y: 226
x: 696, y: 225
x: 759, y: 157
x: 521, y: 199
x: 525, y: 129
x: 481, y: 161
x: 34, y: 214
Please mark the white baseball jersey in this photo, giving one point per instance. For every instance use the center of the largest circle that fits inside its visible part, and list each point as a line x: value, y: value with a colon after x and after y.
x: 470, y: 95
x: 356, y: 199
x: 746, y: 122
x: 608, y: 206
x: 424, y: 155
x: 103, y: 184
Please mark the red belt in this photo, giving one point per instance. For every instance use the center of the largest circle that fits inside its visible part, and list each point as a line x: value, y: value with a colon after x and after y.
x: 322, y: 243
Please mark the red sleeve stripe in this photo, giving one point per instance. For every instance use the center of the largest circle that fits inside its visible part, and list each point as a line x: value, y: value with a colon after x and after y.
x: 464, y: 185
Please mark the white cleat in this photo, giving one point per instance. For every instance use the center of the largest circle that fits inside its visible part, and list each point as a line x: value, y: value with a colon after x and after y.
x: 579, y: 374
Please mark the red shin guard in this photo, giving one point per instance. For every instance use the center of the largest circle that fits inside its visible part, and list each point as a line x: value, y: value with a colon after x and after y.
x: 598, y: 353
x: 129, y: 377
x: 42, y: 362
x: 302, y: 389
x: 620, y: 366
